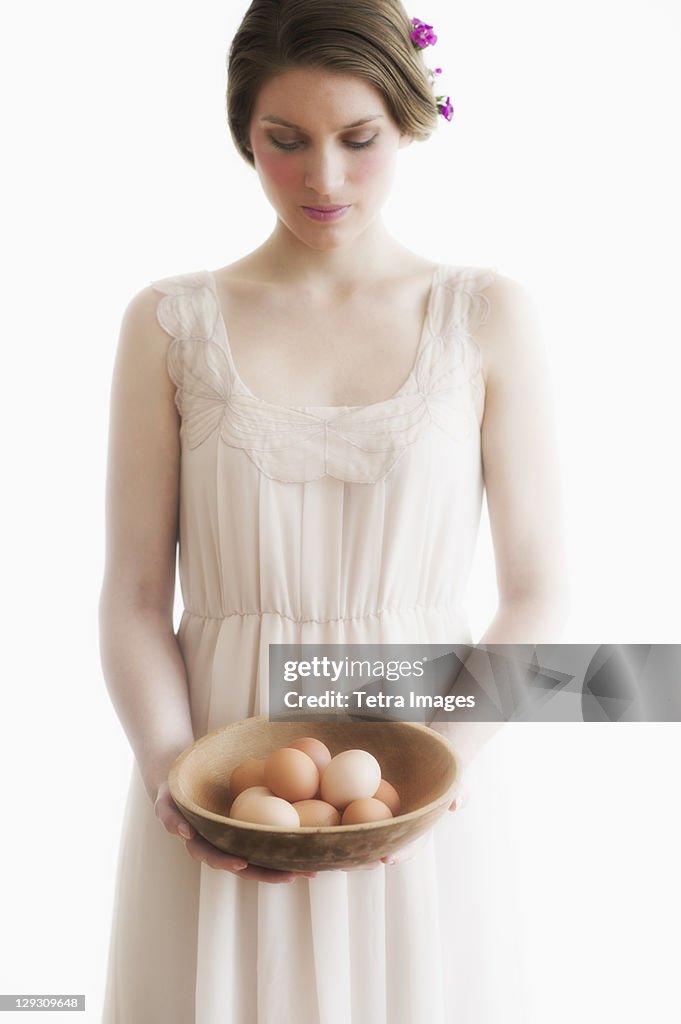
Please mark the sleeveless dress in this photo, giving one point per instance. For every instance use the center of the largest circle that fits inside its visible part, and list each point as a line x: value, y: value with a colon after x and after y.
x: 343, y: 524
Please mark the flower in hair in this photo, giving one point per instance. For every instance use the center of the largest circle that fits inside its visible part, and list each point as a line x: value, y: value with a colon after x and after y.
x: 422, y: 35
x: 444, y: 106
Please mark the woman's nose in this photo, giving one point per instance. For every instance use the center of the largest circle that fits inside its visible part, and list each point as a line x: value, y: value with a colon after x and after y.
x: 325, y: 172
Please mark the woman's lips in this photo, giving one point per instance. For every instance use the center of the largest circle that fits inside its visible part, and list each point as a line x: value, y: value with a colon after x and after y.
x: 324, y: 212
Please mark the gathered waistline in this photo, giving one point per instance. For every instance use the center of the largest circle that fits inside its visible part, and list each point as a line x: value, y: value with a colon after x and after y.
x: 448, y: 605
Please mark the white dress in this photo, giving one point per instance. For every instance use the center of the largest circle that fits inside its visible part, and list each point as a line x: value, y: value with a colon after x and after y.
x: 318, y: 525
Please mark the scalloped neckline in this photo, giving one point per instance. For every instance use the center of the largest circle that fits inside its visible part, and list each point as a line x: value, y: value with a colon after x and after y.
x: 328, y: 408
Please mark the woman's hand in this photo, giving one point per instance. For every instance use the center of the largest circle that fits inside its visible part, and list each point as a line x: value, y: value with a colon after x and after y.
x: 166, y: 810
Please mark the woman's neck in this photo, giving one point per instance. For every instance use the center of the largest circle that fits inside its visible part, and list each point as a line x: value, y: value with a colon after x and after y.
x: 373, y: 254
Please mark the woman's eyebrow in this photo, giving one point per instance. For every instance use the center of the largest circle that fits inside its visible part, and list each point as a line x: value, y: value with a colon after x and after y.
x: 289, y: 124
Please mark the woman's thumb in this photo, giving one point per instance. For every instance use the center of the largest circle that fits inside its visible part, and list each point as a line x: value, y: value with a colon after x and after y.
x: 172, y: 820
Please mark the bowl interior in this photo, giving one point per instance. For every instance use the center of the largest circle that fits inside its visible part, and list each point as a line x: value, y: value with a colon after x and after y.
x: 418, y: 763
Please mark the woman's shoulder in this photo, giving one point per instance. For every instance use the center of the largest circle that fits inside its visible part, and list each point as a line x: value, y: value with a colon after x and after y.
x: 146, y: 314
x: 511, y: 305
x: 140, y: 312
x: 504, y: 289
x: 509, y: 332
x: 144, y: 300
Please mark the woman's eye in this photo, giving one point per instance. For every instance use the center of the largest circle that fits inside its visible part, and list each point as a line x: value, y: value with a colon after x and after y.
x: 283, y: 145
x: 294, y: 145
x: 362, y: 145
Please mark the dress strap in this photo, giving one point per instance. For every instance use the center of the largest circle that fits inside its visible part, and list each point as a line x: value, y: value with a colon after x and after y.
x: 461, y: 304
x: 188, y: 310
x: 189, y: 313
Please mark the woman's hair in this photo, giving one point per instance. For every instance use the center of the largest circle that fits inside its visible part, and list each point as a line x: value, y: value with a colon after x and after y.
x: 367, y: 38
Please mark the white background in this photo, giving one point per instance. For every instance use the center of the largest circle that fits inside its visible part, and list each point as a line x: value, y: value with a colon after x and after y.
x: 557, y: 169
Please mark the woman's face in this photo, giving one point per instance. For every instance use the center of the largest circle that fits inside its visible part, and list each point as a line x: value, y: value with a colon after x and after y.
x: 311, y: 153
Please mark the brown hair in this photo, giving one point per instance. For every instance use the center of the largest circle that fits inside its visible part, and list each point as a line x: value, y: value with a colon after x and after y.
x: 367, y: 38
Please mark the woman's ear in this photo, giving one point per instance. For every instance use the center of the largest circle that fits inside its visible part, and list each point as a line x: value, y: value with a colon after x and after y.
x: 405, y: 140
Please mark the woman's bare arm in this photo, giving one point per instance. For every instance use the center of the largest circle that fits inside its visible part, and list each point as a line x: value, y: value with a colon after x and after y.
x: 521, y: 471
x: 524, y: 495
x: 142, y: 663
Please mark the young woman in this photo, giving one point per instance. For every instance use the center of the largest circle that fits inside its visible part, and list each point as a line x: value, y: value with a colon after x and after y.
x: 314, y: 423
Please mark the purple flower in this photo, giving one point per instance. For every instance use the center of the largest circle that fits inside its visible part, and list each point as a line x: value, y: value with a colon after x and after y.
x: 422, y: 35
x: 446, y: 108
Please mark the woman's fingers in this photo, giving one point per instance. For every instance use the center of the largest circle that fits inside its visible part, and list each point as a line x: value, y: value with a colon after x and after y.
x: 255, y: 873
x: 168, y: 813
x: 461, y: 792
x: 200, y: 849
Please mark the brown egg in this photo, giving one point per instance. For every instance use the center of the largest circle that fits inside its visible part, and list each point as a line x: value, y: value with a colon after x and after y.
x: 291, y: 774
x: 350, y: 775
x: 369, y: 809
x: 267, y: 810
x: 248, y: 773
x: 251, y: 791
x: 389, y: 795
x: 317, y: 812
x: 318, y: 751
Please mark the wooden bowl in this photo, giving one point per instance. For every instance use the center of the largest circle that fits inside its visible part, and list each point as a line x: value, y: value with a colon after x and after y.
x: 415, y: 759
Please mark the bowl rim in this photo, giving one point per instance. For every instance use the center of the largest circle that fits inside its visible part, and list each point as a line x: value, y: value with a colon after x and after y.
x: 184, y: 801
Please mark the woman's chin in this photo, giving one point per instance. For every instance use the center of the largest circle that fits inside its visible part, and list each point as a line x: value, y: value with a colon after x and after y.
x: 324, y: 237
x: 329, y: 237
